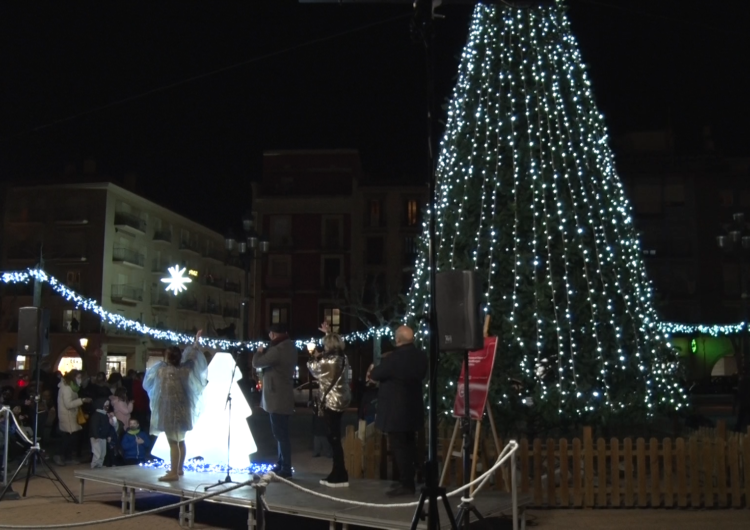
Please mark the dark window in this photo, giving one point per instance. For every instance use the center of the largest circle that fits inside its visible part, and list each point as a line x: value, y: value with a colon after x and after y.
x: 647, y: 199
x: 406, y: 281
x: 726, y: 198
x: 331, y: 272
x: 281, y: 230
x: 280, y: 267
x: 375, y: 251
x: 331, y: 233
x: 410, y: 251
x: 375, y: 292
x: 73, y: 279
x: 375, y: 214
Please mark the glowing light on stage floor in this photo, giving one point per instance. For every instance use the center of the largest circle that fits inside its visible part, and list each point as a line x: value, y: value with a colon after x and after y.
x: 199, y: 466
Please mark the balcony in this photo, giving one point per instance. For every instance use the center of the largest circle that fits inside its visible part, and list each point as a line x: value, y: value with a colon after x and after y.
x: 214, y: 255
x: 130, y: 223
x: 126, y: 294
x: 213, y: 282
x: 212, y: 308
x: 72, y: 217
x: 160, y: 299
x: 158, y: 268
x: 23, y: 252
x: 231, y: 312
x: 189, y: 246
x: 185, y: 303
x: 232, y: 287
x: 27, y: 216
x: 163, y: 236
x: 128, y: 257
x: 236, y: 262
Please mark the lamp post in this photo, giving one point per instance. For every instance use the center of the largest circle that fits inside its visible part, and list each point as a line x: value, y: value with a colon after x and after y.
x: 250, y: 249
x: 736, y: 243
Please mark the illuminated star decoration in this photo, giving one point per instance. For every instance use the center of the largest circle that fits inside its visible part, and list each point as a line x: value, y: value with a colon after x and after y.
x: 176, y: 281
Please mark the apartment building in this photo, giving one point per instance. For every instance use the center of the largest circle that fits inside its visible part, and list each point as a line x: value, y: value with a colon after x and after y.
x: 337, y: 240
x: 113, y: 246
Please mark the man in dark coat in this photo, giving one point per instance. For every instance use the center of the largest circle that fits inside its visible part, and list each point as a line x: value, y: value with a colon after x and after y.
x: 278, y: 363
x: 400, y: 404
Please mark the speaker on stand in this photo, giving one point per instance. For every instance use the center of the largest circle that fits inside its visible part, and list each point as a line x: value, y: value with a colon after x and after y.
x: 460, y: 320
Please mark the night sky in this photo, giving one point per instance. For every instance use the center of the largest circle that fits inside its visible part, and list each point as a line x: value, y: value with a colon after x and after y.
x: 132, y: 85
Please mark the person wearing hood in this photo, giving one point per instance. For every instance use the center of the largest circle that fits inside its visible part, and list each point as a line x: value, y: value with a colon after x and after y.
x: 101, y: 424
x: 68, y: 404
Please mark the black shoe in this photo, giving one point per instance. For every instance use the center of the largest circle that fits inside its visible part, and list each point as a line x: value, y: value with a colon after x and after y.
x: 284, y: 473
x: 401, y: 491
x: 336, y: 480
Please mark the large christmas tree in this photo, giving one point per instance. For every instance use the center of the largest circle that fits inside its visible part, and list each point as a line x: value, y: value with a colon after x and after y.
x: 528, y: 196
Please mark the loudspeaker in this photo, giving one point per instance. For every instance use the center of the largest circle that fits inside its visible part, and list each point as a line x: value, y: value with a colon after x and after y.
x: 29, y: 330
x: 459, y: 313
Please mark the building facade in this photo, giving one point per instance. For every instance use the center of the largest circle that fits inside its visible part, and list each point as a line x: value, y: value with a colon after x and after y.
x: 338, y: 244
x: 113, y: 246
x: 681, y: 203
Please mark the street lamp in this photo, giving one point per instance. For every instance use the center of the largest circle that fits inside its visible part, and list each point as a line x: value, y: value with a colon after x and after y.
x: 83, y: 341
x: 250, y: 249
x: 736, y: 243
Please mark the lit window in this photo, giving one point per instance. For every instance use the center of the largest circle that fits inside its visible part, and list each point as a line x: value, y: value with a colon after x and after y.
x: 412, y: 212
x: 332, y: 315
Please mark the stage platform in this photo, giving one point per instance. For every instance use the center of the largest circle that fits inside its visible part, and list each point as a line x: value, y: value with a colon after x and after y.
x: 282, y: 498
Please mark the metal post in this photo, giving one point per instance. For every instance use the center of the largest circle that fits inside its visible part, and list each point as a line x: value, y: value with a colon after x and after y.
x: 513, y: 489
x: 255, y: 292
x: 5, y: 447
x: 245, y: 301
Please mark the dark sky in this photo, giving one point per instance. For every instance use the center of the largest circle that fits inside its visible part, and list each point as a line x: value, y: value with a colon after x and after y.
x: 287, y: 84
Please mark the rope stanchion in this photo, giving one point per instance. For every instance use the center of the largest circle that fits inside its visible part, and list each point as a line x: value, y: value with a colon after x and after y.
x: 483, y: 478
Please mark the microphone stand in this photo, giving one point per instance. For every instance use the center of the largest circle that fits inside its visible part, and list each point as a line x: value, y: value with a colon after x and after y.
x: 228, y: 405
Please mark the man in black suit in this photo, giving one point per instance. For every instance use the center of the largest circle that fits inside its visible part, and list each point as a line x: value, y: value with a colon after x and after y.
x: 400, y: 404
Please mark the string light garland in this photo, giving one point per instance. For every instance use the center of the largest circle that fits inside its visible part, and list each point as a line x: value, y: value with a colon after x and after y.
x: 133, y: 326
x: 527, y: 196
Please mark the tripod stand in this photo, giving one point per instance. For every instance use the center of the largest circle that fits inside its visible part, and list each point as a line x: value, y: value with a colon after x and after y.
x: 34, y: 453
x: 466, y: 508
x: 228, y: 406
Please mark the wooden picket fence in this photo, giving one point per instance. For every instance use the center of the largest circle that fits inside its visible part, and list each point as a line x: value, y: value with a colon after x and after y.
x: 708, y: 469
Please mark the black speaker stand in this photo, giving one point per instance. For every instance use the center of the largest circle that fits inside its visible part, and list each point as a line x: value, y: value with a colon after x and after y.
x: 34, y: 453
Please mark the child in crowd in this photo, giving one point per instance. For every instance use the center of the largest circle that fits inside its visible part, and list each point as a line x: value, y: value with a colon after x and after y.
x: 101, y: 423
x: 133, y: 444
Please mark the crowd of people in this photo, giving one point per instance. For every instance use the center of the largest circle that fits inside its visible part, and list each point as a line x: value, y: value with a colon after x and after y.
x: 82, y: 415
x: 118, y: 418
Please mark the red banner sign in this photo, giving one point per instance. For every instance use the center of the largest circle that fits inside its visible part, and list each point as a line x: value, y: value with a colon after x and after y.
x: 481, y: 363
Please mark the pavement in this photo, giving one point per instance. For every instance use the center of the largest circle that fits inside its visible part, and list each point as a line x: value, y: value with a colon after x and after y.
x: 45, y: 505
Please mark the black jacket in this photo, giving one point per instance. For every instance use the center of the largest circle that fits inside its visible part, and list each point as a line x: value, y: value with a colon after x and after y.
x: 400, y: 402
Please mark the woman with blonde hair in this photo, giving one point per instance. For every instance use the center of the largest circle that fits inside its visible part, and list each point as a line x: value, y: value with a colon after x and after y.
x: 331, y: 369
